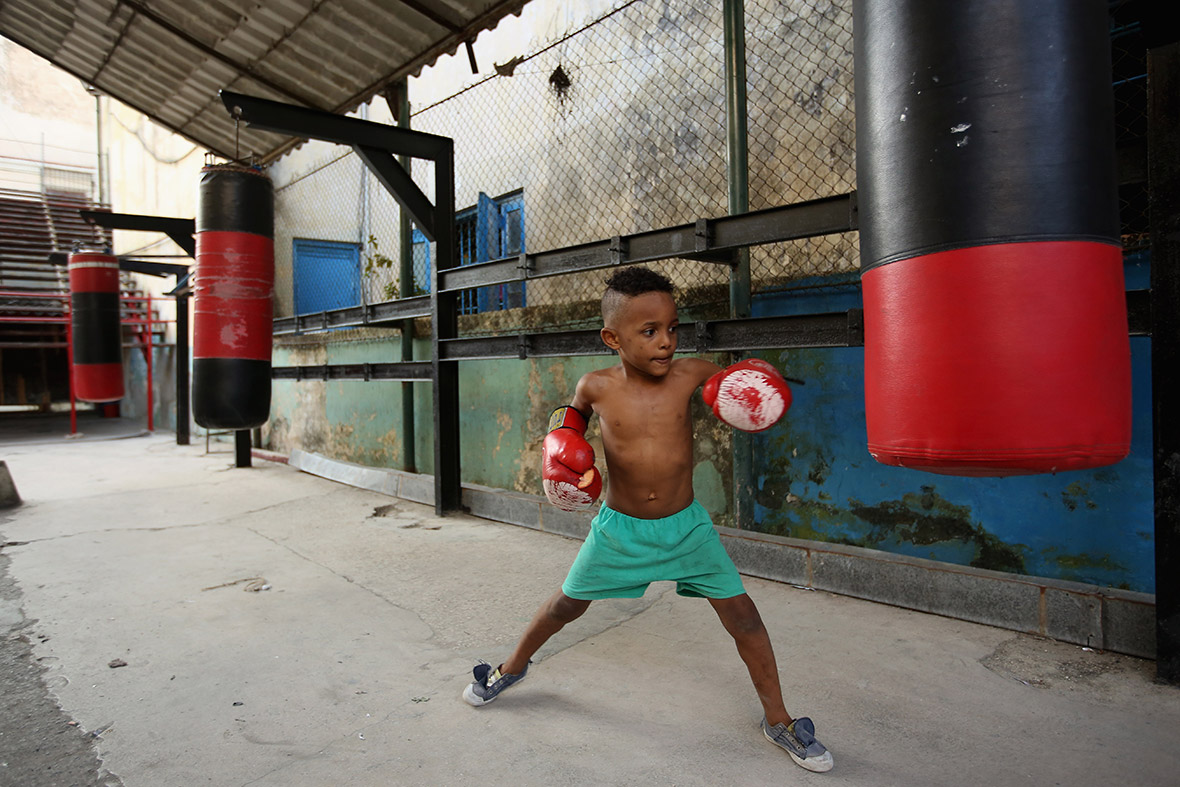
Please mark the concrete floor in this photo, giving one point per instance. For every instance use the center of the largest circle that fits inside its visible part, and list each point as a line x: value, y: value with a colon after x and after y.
x: 348, y: 667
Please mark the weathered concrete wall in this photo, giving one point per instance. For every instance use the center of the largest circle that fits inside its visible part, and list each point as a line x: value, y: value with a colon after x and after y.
x: 814, y: 477
x: 48, y: 115
x: 504, y: 413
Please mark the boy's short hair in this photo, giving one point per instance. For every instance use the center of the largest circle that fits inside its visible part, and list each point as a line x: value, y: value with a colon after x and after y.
x: 628, y: 283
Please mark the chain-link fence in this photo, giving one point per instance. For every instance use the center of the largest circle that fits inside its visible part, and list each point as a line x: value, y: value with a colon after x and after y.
x: 801, y: 129
x: 615, y: 128
x: 1129, y: 80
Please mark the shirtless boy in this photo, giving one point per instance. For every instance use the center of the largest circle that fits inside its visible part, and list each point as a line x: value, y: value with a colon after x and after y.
x: 650, y: 527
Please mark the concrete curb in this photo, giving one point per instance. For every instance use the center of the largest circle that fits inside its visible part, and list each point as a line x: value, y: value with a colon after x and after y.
x: 1090, y: 615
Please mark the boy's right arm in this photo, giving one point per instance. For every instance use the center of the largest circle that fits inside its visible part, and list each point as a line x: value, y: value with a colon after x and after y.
x: 569, y: 476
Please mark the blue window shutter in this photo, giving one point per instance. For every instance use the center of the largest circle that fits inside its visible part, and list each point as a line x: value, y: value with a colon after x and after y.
x: 326, y: 275
x: 421, y: 250
x: 490, y: 230
x: 487, y: 221
x: 466, y: 241
x: 511, y: 216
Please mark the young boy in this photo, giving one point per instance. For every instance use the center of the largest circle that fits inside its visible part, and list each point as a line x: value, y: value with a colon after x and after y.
x: 650, y: 527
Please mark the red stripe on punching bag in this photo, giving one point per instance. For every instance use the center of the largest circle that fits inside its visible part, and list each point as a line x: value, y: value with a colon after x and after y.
x: 999, y: 360
x: 96, y: 335
x: 234, y: 287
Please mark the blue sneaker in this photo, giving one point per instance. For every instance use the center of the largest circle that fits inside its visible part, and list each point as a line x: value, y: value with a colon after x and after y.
x: 799, y: 741
x: 489, y: 683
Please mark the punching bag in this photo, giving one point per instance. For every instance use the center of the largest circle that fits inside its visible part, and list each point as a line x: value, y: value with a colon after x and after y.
x: 96, y: 334
x: 232, y: 308
x: 996, y: 338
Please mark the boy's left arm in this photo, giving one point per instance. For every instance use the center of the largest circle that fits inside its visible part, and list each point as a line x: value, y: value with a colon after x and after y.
x: 569, y: 476
x: 751, y: 395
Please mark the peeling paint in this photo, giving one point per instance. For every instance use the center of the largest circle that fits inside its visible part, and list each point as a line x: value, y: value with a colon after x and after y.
x: 1084, y: 566
x: 1077, y: 495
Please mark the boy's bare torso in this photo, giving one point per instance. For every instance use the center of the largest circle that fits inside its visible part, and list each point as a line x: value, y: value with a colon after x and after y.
x: 646, y: 428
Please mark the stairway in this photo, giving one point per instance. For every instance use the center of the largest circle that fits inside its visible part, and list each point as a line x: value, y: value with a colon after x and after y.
x: 34, y: 225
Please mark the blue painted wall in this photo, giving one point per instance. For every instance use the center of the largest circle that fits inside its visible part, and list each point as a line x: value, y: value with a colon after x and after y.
x: 816, y: 480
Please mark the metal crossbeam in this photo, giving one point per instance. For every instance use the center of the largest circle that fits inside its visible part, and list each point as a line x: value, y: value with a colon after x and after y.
x: 181, y: 231
x: 374, y: 314
x: 702, y: 239
x: 836, y: 329
x: 408, y: 371
x: 267, y: 115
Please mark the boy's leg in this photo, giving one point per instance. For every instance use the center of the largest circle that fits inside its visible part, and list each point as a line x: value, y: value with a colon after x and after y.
x: 550, y: 619
x: 740, y: 617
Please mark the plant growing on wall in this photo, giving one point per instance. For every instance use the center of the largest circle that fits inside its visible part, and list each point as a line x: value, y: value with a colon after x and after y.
x: 376, y: 263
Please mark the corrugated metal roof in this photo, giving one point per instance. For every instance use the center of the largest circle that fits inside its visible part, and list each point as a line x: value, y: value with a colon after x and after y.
x: 169, y: 58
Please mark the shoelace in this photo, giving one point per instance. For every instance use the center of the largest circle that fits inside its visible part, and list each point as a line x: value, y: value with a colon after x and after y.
x: 787, y: 735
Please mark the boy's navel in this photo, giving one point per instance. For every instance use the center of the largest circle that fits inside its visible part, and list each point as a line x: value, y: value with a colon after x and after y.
x: 652, y: 496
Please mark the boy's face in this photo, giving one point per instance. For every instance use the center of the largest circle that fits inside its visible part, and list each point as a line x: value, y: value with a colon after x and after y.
x: 643, y: 332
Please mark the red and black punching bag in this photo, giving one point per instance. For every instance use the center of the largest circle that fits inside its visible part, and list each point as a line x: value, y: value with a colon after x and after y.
x: 95, y: 330
x: 996, y: 338
x: 232, y: 308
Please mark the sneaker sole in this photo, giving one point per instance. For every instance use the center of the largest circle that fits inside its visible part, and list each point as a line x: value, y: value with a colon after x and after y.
x: 474, y: 699
x: 814, y: 764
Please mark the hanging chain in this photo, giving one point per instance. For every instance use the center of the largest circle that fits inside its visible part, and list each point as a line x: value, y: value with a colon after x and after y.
x: 237, y: 132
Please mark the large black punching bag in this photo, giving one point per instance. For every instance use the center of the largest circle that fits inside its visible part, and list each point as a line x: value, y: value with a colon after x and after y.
x: 996, y: 337
x: 232, y: 308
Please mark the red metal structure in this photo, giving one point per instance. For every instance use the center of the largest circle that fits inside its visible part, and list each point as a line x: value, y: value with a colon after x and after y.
x: 135, y: 311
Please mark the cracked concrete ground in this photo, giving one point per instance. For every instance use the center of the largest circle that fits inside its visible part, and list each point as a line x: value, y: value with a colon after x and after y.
x: 348, y: 667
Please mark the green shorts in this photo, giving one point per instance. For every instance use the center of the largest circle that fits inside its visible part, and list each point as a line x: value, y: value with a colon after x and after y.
x: 623, y: 555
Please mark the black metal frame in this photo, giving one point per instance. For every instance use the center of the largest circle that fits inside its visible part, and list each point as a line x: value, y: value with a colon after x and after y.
x: 181, y: 231
x: 378, y: 146
x: 1163, y: 69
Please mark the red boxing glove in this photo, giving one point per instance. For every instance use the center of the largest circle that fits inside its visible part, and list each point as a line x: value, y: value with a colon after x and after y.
x: 751, y: 395
x: 569, y: 476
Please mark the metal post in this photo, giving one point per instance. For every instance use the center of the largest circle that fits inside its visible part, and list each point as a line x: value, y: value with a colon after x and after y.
x: 737, y: 158
x: 445, y: 322
x: 182, y: 403
x: 406, y: 282
x: 1163, y: 141
x: 737, y: 145
x: 102, y: 191
x: 69, y: 312
x: 242, y: 448
x: 148, y: 358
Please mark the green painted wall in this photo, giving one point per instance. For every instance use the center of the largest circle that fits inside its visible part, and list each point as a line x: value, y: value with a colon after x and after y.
x: 504, y: 412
